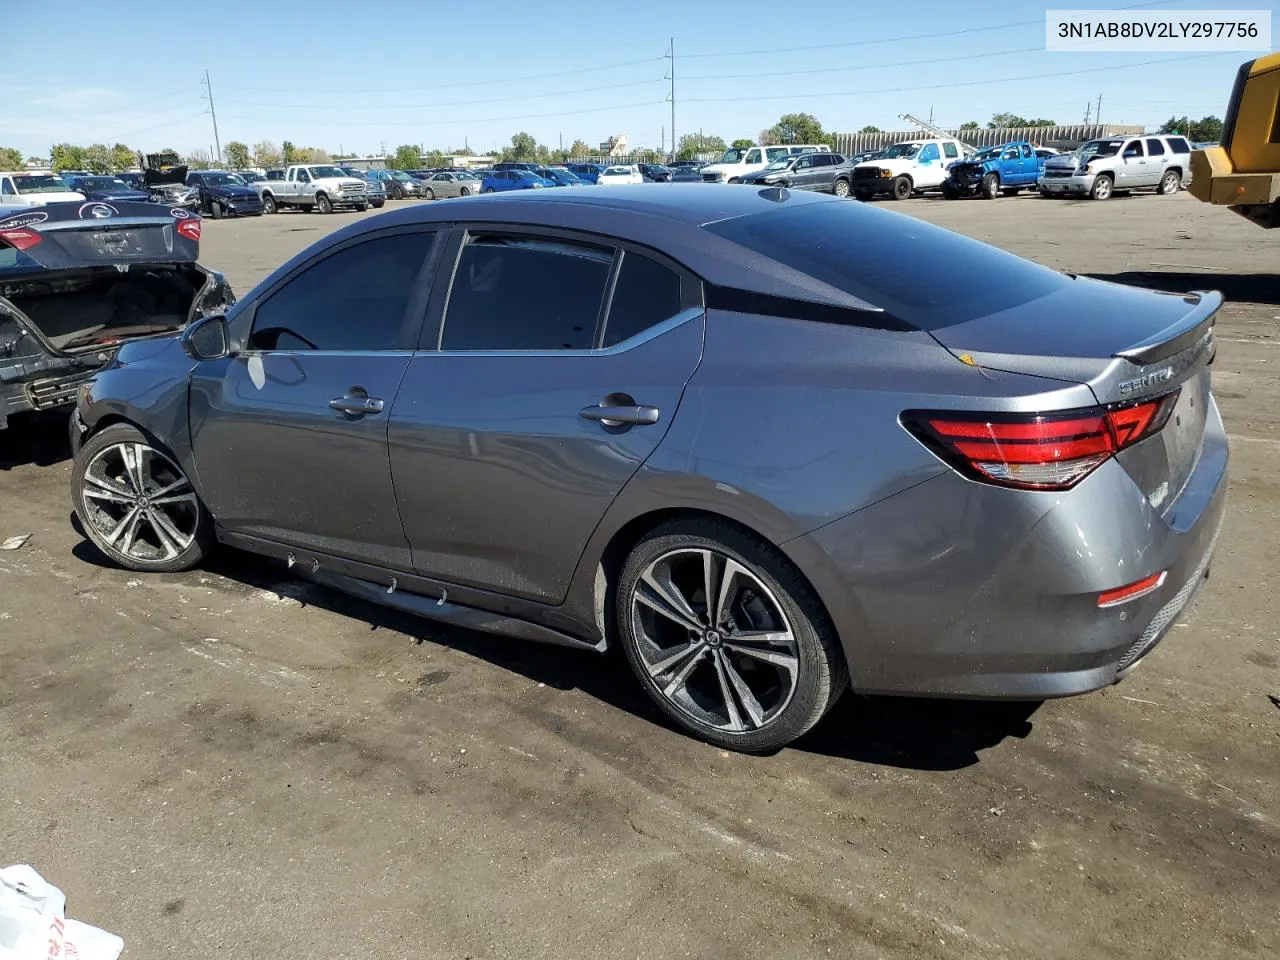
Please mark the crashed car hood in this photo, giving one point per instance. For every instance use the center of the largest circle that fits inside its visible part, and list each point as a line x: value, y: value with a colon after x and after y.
x: 233, y: 193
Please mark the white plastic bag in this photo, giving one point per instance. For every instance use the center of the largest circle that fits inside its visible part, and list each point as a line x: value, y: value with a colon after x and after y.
x: 33, y: 923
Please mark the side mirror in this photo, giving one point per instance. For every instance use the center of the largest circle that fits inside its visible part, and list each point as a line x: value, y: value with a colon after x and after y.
x: 207, y: 338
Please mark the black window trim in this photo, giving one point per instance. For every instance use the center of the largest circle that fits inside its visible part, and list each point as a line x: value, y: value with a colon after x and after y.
x: 242, y: 324
x: 692, y: 295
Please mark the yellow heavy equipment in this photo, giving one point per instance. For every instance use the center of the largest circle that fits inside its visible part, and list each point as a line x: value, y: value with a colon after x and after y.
x: 1243, y: 173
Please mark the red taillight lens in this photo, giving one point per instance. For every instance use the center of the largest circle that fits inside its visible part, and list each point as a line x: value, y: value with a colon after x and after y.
x: 1139, y: 588
x: 1038, y: 451
x: 20, y: 238
x: 190, y: 228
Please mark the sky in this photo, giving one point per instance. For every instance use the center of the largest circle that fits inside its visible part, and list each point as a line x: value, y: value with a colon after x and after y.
x: 365, y: 78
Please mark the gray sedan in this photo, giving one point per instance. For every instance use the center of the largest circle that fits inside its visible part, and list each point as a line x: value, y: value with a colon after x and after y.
x: 441, y: 185
x: 769, y: 443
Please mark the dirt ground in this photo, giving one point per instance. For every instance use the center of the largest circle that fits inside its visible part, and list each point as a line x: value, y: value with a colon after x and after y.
x: 230, y: 763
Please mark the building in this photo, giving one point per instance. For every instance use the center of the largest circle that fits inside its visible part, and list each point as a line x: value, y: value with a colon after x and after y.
x: 615, y: 146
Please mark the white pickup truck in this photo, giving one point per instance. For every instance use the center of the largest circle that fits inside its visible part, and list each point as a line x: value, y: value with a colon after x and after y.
x: 314, y: 186
x: 906, y: 168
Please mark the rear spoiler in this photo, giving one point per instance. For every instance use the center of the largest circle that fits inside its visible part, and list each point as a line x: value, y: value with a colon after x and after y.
x: 1196, y: 324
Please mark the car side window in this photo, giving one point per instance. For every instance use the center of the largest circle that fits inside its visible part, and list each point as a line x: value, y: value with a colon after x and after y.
x: 1133, y: 149
x: 753, y: 156
x: 950, y: 151
x: 1155, y: 148
x: 645, y: 294
x: 1179, y: 145
x: 1011, y: 153
x: 804, y: 163
x: 930, y: 152
x: 352, y: 300
x: 1027, y: 152
x: 525, y: 293
x: 6, y: 186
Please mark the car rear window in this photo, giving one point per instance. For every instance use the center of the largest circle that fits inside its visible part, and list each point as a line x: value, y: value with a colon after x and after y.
x: 924, y: 276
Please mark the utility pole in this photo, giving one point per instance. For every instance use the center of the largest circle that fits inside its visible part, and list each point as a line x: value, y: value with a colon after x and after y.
x: 1097, y: 117
x: 1088, y: 112
x: 671, y: 75
x: 662, y: 143
x: 213, y: 113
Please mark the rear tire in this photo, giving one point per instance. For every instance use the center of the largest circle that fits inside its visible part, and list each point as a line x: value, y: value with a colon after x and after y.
x: 464, y: 192
x: 430, y: 194
x: 1102, y: 188
x: 989, y: 189
x: 135, y: 503
x: 902, y: 188
x: 1170, y: 183
x: 756, y: 701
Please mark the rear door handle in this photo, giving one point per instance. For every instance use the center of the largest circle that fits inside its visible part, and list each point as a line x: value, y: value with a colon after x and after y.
x: 356, y: 403
x: 611, y: 416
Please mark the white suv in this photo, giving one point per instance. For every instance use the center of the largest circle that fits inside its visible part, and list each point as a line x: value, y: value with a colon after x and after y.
x: 906, y: 168
x: 741, y: 161
x: 1097, y: 169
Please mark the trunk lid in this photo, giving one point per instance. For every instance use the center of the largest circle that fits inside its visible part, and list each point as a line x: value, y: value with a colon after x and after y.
x: 1127, y: 345
x: 96, y: 233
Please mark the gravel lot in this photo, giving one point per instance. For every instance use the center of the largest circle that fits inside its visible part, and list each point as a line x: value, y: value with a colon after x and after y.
x: 231, y: 763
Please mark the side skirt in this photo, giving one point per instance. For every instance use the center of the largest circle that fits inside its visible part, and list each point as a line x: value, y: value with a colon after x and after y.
x: 410, y: 593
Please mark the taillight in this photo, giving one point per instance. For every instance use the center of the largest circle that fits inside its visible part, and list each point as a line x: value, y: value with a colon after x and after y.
x: 1038, y: 451
x: 20, y: 238
x: 190, y: 228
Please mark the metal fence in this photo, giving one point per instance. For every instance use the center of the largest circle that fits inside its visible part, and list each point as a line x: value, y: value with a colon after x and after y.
x: 848, y: 143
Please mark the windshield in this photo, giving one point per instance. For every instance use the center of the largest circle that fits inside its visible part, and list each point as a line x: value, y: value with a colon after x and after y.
x: 900, y: 151
x: 733, y: 155
x: 1101, y: 148
x: 222, y: 180
x: 399, y: 175
x: 618, y: 172
x: 102, y: 183
x: 40, y: 183
x: 325, y: 171
x: 779, y: 164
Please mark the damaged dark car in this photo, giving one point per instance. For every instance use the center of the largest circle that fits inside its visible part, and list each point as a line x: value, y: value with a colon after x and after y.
x: 78, y: 281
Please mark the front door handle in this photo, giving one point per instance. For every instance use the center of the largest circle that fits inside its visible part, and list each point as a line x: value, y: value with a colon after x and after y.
x: 617, y: 416
x: 356, y: 403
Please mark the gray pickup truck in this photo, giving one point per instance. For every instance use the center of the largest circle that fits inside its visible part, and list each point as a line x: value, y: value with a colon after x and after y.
x: 313, y: 186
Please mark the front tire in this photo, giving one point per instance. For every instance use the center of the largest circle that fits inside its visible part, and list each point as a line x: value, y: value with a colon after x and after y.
x: 902, y: 188
x: 950, y: 191
x: 840, y: 188
x: 1102, y: 188
x: 751, y: 669
x: 430, y: 194
x: 464, y: 192
x: 269, y: 204
x: 361, y: 207
x: 487, y: 190
x: 377, y: 204
x: 324, y: 204
x: 1170, y: 183
x: 136, y: 505
x: 218, y: 210
x: 989, y: 189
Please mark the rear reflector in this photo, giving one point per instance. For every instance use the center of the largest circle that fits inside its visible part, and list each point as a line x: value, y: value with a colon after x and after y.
x: 190, y: 228
x: 1038, y: 451
x: 20, y: 238
x: 1113, y: 598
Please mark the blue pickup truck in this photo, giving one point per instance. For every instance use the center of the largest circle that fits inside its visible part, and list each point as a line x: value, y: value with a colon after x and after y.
x: 1006, y: 168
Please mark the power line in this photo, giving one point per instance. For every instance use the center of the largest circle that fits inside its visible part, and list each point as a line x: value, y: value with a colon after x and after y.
x: 462, y: 103
x: 465, y: 120
x: 449, y: 86
x: 214, y: 114
x: 100, y: 114
x: 901, y: 39
x: 965, y: 83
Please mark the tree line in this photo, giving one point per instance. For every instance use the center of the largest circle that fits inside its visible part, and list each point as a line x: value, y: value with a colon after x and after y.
x: 790, y: 128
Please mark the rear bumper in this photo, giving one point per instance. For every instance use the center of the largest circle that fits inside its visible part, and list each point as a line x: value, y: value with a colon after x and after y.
x: 959, y: 589
x: 43, y: 393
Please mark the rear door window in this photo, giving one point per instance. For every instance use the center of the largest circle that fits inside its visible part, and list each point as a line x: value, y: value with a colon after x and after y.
x: 1155, y: 148
x: 645, y: 294
x: 514, y: 292
x: 1179, y: 145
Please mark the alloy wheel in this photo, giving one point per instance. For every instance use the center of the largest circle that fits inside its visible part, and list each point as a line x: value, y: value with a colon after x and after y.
x: 139, y: 503
x: 714, y: 640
